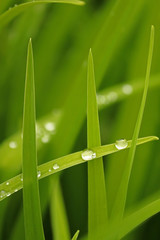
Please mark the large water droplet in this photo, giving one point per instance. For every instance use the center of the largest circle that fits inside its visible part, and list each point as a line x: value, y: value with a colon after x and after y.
x: 38, y: 174
x: 13, y: 145
x: 121, y: 144
x: 2, y: 194
x: 88, y: 155
x: 55, y: 166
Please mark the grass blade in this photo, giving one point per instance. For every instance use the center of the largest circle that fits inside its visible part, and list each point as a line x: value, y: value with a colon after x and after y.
x: 97, y: 202
x: 119, y: 206
x: 76, y: 235
x: 9, y: 15
x: 60, y: 226
x: 14, y: 184
x: 31, y: 199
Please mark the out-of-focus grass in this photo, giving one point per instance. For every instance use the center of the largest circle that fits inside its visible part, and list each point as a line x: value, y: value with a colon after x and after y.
x: 118, y: 33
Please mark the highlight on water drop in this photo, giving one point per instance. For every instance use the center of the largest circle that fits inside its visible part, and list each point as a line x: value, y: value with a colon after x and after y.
x: 121, y: 144
x: 88, y: 155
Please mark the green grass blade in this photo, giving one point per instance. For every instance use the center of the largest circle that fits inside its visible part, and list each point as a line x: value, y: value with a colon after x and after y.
x: 31, y: 199
x: 97, y: 201
x: 14, y: 184
x: 119, y: 206
x: 60, y: 226
x: 138, y: 217
x: 9, y: 15
x: 75, y: 237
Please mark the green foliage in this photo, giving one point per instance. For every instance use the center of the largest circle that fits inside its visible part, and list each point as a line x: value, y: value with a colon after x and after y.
x: 118, y: 32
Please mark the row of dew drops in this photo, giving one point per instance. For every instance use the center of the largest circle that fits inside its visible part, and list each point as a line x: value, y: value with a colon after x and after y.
x: 43, y: 133
x: 86, y: 156
x: 112, y: 96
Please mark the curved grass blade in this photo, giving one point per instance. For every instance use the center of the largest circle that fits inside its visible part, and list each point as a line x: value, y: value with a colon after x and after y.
x: 7, y: 16
x: 16, y: 183
x: 138, y: 217
x: 119, y: 206
x: 97, y: 201
x: 31, y: 200
x: 75, y: 237
x: 60, y: 226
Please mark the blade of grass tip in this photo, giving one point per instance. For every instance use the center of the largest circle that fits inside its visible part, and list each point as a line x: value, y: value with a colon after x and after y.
x: 60, y: 226
x: 76, y: 235
x: 97, y: 201
x: 119, y: 206
x: 31, y: 200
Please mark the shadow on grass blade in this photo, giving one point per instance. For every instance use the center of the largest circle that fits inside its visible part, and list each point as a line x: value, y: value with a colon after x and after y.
x: 31, y: 200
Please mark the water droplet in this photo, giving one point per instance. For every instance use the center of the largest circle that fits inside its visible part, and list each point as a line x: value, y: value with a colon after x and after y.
x: 50, y: 170
x: 16, y: 190
x: 45, y: 138
x: 8, y: 194
x: 121, y: 144
x: 55, y: 166
x: 50, y: 126
x: 21, y: 178
x: 13, y: 145
x: 7, y: 183
x: 2, y: 194
x: 127, y: 89
x: 88, y: 155
x: 38, y: 174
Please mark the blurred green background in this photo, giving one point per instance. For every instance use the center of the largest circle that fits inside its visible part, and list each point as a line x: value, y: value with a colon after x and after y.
x: 118, y: 33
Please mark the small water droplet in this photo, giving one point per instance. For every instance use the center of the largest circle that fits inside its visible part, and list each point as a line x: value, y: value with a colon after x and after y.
x: 7, y: 183
x: 127, y: 89
x: 13, y: 144
x: 21, y: 178
x: 45, y: 139
x: 50, y: 170
x: 50, y: 126
x: 16, y: 190
x: 2, y: 194
x: 38, y: 174
x: 55, y: 166
x: 8, y: 194
x: 88, y: 155
x: 121, y: 144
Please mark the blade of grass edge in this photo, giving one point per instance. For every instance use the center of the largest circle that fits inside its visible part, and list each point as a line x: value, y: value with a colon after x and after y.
x: 97, y: 201
x: 31, y: 200
x: 119, y: 206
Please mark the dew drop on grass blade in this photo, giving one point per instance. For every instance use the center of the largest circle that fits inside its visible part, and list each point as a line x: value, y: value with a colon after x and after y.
x: 97, y: 201
x: 31, y: 200
x: 119, y: 206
